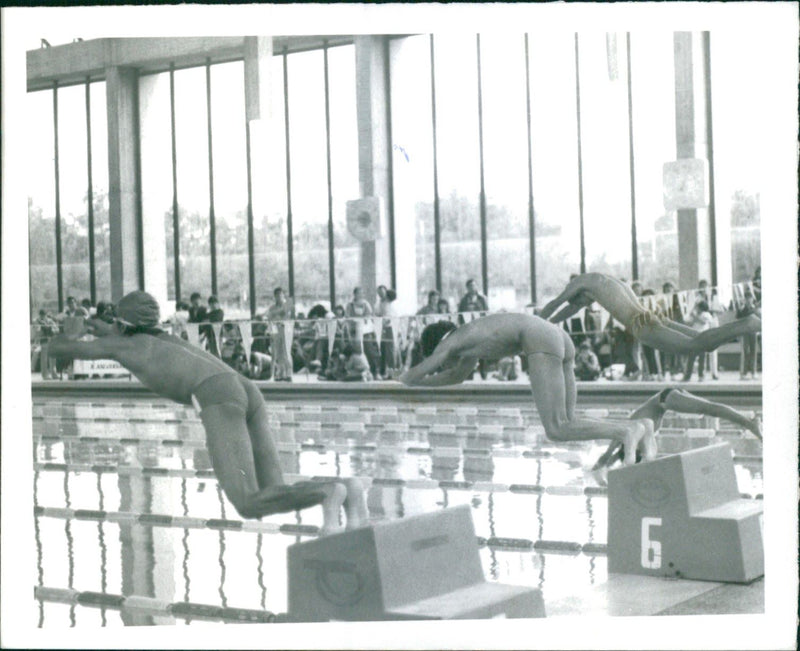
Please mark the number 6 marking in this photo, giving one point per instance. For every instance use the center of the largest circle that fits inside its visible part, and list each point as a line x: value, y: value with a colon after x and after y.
x: 651, y: 549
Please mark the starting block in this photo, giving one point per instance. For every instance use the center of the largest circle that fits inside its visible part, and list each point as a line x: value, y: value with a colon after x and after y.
x: 681, y: 516
x: 422, y: 567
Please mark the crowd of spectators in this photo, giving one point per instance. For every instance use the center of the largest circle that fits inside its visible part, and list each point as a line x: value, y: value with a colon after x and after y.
x: 363, y: 341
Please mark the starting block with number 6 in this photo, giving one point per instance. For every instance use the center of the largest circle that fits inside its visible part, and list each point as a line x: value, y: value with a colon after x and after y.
x: 681, y: 516
x: 421, y: 567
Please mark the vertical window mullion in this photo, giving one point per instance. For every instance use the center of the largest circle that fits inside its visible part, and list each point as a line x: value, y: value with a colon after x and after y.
x: 59, y: 261
x: 212, y: 219
x: 90, y: 197
x: 176, y: 233
x: 634, y: 243
x: 482, y: 197
x: 390, y: 163
x: 531, y: 213
x: 332, y: 279
x: 251, y: 267
x: 712, y: 218
x: 580, y: 156
x: 289, y: 224
x: 437, y: 227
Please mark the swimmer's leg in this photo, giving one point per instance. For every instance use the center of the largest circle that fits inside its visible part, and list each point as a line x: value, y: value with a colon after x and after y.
x: 685, y: 402
x: 676, y: 337
x: 550, y: 386
x: 232, y: 457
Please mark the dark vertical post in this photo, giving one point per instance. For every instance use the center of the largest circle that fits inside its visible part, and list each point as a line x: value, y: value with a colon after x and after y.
x: 387, y: 80
x: 176, y: 233
x: 634, y: 243
x: 59, y: 261
x: 712, y: 215
x: 437, y: 228
x: 289, y: 225
x: 531, y: 212
x: 137, y: 157
x: 482, y: 198
x: 90, y: 197
x: 251, y: 267
x: 212, y: 217
x: 580, y: 157
x: 331, y: 278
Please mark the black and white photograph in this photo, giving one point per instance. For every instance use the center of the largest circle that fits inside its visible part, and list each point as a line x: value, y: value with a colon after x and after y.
x: 434, y: 326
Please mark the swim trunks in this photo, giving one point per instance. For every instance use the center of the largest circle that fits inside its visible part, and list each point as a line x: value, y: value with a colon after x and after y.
x: 643, y: 319
x: 228, y: 389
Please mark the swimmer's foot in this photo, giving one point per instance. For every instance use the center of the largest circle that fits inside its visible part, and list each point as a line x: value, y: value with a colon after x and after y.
x: 355, y: 504
x: 335, y: 495
x: 640, y: 436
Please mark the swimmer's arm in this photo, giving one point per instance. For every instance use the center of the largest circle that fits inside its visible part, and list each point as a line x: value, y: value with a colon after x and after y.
x: 102, y: 348
x: 427, y: 373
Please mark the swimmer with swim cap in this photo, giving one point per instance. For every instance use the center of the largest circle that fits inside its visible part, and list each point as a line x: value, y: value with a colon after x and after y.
x: 651, y: 329
x: 232, y: 409
x: 451, y: 354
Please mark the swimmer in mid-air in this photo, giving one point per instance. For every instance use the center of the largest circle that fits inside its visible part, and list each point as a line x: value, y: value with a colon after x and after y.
x: 651, y: 329
x: 673, y: 400
x: 234, y: 415
x: 451, y: 354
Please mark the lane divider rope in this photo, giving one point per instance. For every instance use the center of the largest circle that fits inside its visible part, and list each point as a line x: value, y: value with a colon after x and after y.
x: 150, y: 606
x: 291, y: 529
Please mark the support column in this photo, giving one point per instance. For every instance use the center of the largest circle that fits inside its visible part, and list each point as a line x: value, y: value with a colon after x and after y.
x: 695, y: 243
x: 125, y: 232
x: 372, y: 102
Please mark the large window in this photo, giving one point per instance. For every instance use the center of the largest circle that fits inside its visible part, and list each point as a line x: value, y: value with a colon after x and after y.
x: 73, y: 191
x: 740, y: 157
x: 605, y: 153
x: 191, y: 165
x: 270, y: 206
x: 40, y: 178
x: 309, y: 170
x: 99, y: 134
x: 653, y: 84
x: 229, y: 145
x: 461, y: 109
x: 505, y: 154
x: 555, y: 160
x: 412, y: 151
x: 156, y: 177
x: 458, y: 160
x: 344, y: 166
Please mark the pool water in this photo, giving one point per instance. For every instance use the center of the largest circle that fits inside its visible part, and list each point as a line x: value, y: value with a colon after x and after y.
x: 126, y: 504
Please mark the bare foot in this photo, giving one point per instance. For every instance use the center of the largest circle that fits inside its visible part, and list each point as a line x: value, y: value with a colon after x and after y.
x: 355, y: 505
x: 755, y: 427
x: 648, y: 442
x: 633, y: 435
x: 335, y: 494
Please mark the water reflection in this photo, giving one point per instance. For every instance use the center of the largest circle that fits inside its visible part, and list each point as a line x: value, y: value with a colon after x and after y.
x: 150, y: 555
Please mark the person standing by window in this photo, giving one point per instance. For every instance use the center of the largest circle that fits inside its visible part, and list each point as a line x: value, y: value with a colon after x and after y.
x: 278, y: 314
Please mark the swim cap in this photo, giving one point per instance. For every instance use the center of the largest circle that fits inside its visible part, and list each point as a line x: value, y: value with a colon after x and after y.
x: 138, y: 309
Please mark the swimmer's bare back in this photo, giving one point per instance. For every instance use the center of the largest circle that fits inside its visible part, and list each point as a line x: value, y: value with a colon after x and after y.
x: 495, y: 336
x: 167, y: 365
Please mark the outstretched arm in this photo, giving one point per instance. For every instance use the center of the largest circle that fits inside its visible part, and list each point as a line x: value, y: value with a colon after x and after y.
x: 102, y: 348
x: 428, y: 372
x: 575, y: 305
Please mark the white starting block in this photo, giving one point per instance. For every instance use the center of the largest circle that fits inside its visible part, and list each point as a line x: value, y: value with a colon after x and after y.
x: 422, y: 567
x: 681, y: 516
